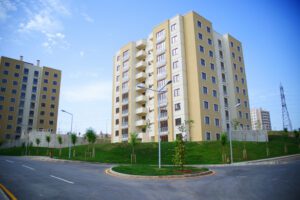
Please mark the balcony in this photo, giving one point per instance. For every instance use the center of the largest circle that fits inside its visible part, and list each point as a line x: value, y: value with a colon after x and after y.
x: 138, y: 89
x: 141, y: 111
x: 161, y: 63
x: 124, y: 137
x: 124, y: 124
x: 164, y: 130
x: 141, y: 54
x: 160, y: 51
x: 140, y: 99
x: 141, y: 76
x: 124, y: 112
x: 124, y: 90
x: 141, y: 65
x: 140, y: 122
x: 125, y: 101
x: 161, y: 76
x: 163, y: 116
x: 141, y: 44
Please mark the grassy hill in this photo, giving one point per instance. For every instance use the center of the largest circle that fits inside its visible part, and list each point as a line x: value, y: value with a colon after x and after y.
x: 147, y: 153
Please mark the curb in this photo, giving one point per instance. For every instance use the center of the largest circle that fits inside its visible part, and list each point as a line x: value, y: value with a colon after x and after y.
x: 8, y: 193
x: 111, y: 172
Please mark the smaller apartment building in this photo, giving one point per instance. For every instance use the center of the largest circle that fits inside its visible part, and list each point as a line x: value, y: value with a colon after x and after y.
x: 260, y: 119
x: 29, y: 97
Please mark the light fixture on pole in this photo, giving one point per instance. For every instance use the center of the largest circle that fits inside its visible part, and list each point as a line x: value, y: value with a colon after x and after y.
x: 230, y: 138
x: 160, y: 91
x: 69, y: 144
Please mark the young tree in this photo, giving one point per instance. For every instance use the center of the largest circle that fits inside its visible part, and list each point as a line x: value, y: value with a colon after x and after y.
x: 48, y: 139
x: 224, y: 141
x: 74, y: 140
x: 146, y: 129
x: 37, y: 141
x: 133, y: 141
x: 285, y: 136
x: 186, y: 127
x: 235, y: 123
x: 91, y: 138
x: 60, y: 141
x: 179, y: 156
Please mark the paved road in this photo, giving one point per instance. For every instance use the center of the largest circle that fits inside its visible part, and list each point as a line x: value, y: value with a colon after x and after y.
x: 34, y: 179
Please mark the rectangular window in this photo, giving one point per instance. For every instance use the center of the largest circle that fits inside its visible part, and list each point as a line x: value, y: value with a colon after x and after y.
x: 173, y: 27
x: 237, y: 90
x: 177, y: 106
x: 212, y: 66
x: 215, y: 93
x: 246, y: 104
x: 45, y: 80
x: 16, y: 75
x: 241, y: 69
x: 126, y: 54
x: 240, y: 114
x: 202, y: 62
x: 233, y: 54
x: 25, y: 79
x: 161, y: 58
x: 205, y: 105
x: 201, y: 49
x: 161, y: 46
x: 208, y: 29
x: 209, y: 41
x: 177, y: 92
x: 26, y: 71
x: 6, y: 64
x: 220, y: 43
x: 208, y: 136
x: 125, y: 64
x: 206, y: 119
x: 160, y: 34
x: 203, y: 75
x: 161, y: 70
x: 53, y: 90
x: 175, y: 52
x: 217, y: 122
x: 174, y: 39
x: 231, y: 44
x: 200, y: 36
x: 178, y: 121
x: 211, y: 54
x: 243, y: 81
x: 161, y: 83
x: 199, y: 24
x: 204, y: 90
x: 218, y: 136
x: 213, y: 80
x: 238, y: 48
x: 176, y: 78
x: 10, y: 117
x: 216, y: 107
x: 175, y: 64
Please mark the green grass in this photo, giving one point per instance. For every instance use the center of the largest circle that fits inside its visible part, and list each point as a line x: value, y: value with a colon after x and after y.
x: 147, y: 153
x: 148, y: 170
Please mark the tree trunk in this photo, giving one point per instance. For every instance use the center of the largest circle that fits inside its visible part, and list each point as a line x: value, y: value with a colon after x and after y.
x: 285, y: 148
x: 93, y: 151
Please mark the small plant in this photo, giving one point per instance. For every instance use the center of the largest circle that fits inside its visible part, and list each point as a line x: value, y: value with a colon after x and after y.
x: 91, y: 138
x: 60, y: 141
x: 179, y: 156
x: 37, y: 141
x: 133, y: 141
x: 74, y: 140
x: 186, y: 127
x: 48, y: 139
x: 224, y: 141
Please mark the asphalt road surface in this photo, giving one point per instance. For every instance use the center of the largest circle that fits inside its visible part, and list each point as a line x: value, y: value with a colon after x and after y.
x: 35, y: 179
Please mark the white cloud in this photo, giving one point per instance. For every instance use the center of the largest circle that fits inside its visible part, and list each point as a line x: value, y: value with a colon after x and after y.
x: 6, y: 6
x: 96, y: 91
x: 44, y: 19
x: 81, y: 53
x: 87, y: 18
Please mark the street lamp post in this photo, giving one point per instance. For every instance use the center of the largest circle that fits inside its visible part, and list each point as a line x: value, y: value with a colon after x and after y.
x: 230, y: 138
x: 69, y: 144
x: 160, y: 91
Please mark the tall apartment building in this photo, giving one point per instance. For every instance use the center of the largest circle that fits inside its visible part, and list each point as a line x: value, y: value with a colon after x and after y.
x: 29, y: 97
x: 208, y: 81
x: 260, y: 119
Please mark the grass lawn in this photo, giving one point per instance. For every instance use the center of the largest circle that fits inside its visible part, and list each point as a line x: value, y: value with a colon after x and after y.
x: 149, y: 170
x: 147, y: 153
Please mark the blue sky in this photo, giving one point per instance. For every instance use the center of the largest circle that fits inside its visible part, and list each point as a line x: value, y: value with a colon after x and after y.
x: 81, y: 37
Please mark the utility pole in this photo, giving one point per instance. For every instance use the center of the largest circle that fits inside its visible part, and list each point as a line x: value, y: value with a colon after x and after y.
x: 286, y: 121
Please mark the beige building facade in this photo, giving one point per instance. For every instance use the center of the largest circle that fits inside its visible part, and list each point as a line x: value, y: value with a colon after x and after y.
x: 29, y: 97
x: 208, y: 85
x: 260, y: 119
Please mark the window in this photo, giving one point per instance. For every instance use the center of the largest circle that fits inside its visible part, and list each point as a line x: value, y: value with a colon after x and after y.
x: 240, y: 59
x: 3, y: 89
x: 10, y: 117
x: 118, y: 68
x: 34, y: 89
x: 125, y: 64
x: 54, y: 82
x: 199, y: 24
x: 161, y: 46
x: 11, y: 109
x: 43, y: 105
x: 176, y: 78
x: 233, y: 54
x: 215, y: 93
x: 174, y: 39
x: 16, y: 75
x: 26, y: 71
x: 1, y: 107
x: 217, y: 122
x: 238, y: 100
x: 117, y: 89
x: 44, y: 88
x: 201, y: 49
x: 23, y: 87
x: 220, y: 43
x: 208, y: 29
x: 238, y: 48
x: 241, y: 69
x: 203, y: 75
x: 33, y: 97
x: 117, y: 110
x: 177, y: 106
x: 175, y: 64
x: 9, y: 126
x: 52, y: 106
x: 5, y: 72
x: 124, y: 75
x: 46, y: 73
x: 55, y: 75
x: 175, y: 52
x: 36, y: 73
x: 14, y: 91
x: 200, y: 36
x: 117, y: 121
x: 53, y: 90
x: 235, y: 77
x: 212, y: 66
x: 211, y: 54
x: 6, y: 64
x: 51, y: 122
x: 243, y: 81
x: 25, y: 79
x: 205, y: 105
x: 209, y: 41
x: 4, y: 80
x: 13, y: 100
x: 221, y: 54
x: 240, y: 114
x: 44, y: 96
x: 246, y: 104
x: 126, y: 54
x: 161, y: 70
x: 22, y: 95
x: 117, y: 78
x: 41, y: 121
x: 52, y: 114
x: 213, y: 80
x: 208, y: 136
x: 173, y: 27
x: 161, y: 58
x: 177, y: 92
x: 35, y: 81
x: 216, y: 107
x: 244, y: 91
x: 117, y: 133
x: 237, y: 90
x: 161, y: 83
x: 218, y: 136
x: 202, y: 61
x: 204, y: 90
x: 160, y: 34
x: 178, y: 121
x: 234, y: 66
x: 231, y: 44
x: 206, y: 120
x: 247, y: 115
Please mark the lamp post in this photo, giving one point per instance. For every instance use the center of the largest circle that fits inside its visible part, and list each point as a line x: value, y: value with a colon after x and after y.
x: 230, y: 138
x: 70, y: 132
x: 160, y: 91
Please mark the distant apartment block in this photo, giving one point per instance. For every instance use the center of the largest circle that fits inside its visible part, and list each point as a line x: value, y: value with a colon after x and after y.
x: 260, y: 119
x: 208, y: 81
x: 29, y: 97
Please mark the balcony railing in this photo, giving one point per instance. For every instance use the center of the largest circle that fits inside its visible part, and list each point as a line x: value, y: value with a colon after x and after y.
x: 141, y: 65
x: 141, y: 44
x: 141, y: 54
x: 124, y: 124
x: 125, y: 101
x: 164, y: 129
x: 140, y: 98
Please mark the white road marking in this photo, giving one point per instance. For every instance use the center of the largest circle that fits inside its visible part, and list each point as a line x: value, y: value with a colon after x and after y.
x: 28, y: 167
x: 9, y: 161
x: 62, y: 179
